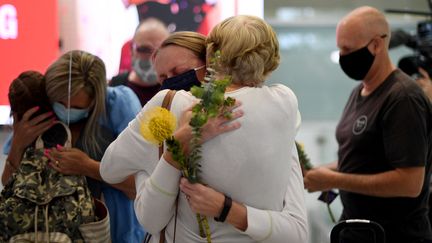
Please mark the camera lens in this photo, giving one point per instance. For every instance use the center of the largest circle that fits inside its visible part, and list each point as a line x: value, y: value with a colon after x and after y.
x: 424, y: 30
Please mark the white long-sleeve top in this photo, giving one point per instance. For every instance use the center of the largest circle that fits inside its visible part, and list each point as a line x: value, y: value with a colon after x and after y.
x: 252, y: 164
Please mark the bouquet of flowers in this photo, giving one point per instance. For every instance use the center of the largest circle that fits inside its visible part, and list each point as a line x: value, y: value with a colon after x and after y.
x: 159, y: 124
x: 327, y: 196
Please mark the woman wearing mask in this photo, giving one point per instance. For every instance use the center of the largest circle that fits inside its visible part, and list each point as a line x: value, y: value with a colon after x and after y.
x: 285, y: 222
x: 180, y: 61
x: 180, y: 64
x: 96, y: 114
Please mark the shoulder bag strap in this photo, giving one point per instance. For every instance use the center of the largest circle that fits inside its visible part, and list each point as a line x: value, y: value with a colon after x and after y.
x: 166, y: 103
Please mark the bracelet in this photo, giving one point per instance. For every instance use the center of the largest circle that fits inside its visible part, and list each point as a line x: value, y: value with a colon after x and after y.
x: 225, y: 210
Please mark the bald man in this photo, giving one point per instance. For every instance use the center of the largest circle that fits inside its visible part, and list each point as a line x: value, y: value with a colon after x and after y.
x: 142, y: 79
x: 384, y: 137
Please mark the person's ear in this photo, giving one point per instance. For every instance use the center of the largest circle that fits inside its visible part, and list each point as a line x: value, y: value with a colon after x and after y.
x: 378, y: 45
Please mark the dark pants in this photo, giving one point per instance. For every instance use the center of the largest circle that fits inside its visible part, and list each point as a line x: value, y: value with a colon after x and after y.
x: 430, y: 206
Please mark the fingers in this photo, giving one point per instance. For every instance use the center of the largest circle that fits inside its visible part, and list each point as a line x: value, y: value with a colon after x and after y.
x: 186, y: 191
x: 43, y: 126
x: 36, y: 120
x: 230, y: 109
x: 236, y: 114
x: 185, y: 186
x: 39, y: 118
x: 36, y: 125
x: 60, y: 148
x: 56, y: 165
x: 190, y: 189
x: 423, y: 73
x: 51, y: 155
x: 229, y: 127
x: 29, y: 113
x: 54, y: 160
x: 237, y: 103
x: 224, y: 119
x: 227, y: 124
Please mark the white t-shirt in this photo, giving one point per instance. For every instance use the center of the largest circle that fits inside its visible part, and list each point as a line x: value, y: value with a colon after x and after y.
x: 252, y: 164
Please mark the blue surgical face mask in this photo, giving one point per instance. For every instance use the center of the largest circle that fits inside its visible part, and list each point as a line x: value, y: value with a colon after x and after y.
x: 75, y: 115
x: 183, y: 81
x: 145, y: 71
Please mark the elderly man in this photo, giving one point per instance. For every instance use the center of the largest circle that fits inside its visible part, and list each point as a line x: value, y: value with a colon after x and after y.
x: 384, y: 137
x: 142, y: 79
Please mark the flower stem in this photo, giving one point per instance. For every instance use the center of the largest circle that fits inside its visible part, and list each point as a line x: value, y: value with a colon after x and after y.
x: 204, y: 227
x: 332, y: 217
x: 201, y: 227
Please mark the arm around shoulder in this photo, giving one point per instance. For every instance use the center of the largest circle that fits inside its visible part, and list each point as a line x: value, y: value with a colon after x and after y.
x: 288, y: 225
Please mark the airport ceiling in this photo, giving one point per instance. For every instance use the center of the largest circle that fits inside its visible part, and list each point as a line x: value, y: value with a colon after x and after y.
x: 331, y: 10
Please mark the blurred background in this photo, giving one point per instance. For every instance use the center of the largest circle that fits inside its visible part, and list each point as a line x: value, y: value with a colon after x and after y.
x: 34, y: 33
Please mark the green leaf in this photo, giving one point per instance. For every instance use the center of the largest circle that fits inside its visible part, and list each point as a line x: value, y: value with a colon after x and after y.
x: 197, y: 91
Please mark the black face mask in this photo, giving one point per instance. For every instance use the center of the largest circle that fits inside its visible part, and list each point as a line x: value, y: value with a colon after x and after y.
x: 183, y: 81
x: 358, y: 63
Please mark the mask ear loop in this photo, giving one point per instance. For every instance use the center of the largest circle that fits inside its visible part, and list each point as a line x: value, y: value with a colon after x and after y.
x: 198, y: 68
x: 69, y: 88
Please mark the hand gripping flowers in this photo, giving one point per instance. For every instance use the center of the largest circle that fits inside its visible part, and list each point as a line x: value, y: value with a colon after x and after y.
x: 327, y: 196
x: 158, y: 125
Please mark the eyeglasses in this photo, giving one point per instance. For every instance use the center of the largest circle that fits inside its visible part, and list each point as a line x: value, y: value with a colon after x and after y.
x: 142, y: 49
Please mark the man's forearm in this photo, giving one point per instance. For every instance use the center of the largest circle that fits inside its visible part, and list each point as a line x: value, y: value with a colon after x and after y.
x: 332, y: 166
x: 406, y: 182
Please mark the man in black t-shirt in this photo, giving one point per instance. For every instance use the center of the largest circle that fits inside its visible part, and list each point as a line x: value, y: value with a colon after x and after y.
x: 142, y: 79
x: 384, y: 137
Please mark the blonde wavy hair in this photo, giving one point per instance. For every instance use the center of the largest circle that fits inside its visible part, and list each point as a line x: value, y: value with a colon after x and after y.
x: 88, y: 73
x: 192, y: 41
x: 249, y: 49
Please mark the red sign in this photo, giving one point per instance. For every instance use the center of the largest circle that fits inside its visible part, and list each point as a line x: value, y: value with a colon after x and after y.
x: 29, y: 39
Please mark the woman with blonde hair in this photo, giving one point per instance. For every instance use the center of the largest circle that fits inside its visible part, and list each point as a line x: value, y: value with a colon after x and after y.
x: 250, y: 166
x: 77, y: 90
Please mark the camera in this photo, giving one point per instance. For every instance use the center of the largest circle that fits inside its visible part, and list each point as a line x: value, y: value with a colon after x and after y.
x: 421, y: 43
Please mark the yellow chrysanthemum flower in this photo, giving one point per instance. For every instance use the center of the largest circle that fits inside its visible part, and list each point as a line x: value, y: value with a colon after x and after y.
x: 157, y: 124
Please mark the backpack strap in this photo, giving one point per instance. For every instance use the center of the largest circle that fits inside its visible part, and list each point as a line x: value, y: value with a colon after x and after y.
x: 39, y: 142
